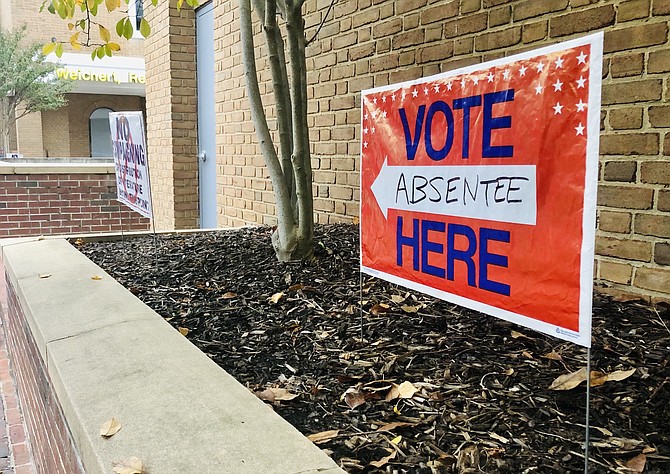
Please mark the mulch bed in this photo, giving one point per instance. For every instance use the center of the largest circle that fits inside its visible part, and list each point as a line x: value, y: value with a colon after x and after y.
x: 408, y: 383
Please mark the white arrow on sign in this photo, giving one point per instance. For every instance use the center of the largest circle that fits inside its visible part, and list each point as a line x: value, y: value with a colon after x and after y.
x: 503, y: 193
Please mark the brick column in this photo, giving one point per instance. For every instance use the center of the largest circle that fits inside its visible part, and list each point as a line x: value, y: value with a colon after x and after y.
x: 171, y: 103
x: 29, y: 135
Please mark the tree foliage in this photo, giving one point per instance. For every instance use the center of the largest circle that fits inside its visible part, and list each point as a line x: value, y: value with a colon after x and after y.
x: 288, y: 161
x: 27, y: 83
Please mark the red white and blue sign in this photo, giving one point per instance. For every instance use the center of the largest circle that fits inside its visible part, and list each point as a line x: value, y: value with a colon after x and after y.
x: 478, y: 186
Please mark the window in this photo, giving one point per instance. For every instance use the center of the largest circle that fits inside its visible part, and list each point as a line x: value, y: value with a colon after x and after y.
x: 136, y: 13
x: 101, y: 138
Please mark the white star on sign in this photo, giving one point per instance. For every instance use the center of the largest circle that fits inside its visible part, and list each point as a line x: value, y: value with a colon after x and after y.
x: 581, y: 106
x: 366, y: 116
x: 393, y: 97
x: 365, y: 144
x: 365, y: 131
x: 425, y: 91
x: 404, y: 94
x: 522, y: 71
x: 559, y: 63
x: 579, y: 129
x: 449, y: 86
x: 539, y: 67
x: 506, y: 74
x: 580, y: 82
x: 463, y: 83
x: 384, y: 114
x: 582, y: 58
x: 374, y: 101
x: 415, y: 93
x: 558, y: 108
x: 558, y: 85
x: 490, y: 77
x: 373, y: 129
x: 436, y: 87
x: 538, y: 90
x: 384, y: 99
x: 475, y: 80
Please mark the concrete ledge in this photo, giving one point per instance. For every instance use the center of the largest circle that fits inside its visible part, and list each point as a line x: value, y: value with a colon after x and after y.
x: 109, y: 355
x: 56, y: 168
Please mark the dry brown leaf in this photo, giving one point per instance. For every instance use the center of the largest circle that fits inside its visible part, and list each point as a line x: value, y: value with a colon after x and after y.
x: 353, y: 398
x: 410, y: 309
x: 96, y: 277
x: 394, y: 425
x: 509, y: 371
x: 637, y: 464
x: 228, y: 295
x: 392, y: 394
x: 323, y: 436
x: 569, y: 381
x: 406, y: 390
x: 379, y: 308
x: 598, y: 378
x: 44, y: 275
x: 129, y: 466
x: 383, y: 461
x: 183, y: 331
x: 517, y: 334
x: 110, y: 428
x: 282, y: 394
x: 619, y: 375
x: 355, y: 220
x: 266, y: 395
x: 397, y: 298
x: 274, y: 299
x: 553, y: 356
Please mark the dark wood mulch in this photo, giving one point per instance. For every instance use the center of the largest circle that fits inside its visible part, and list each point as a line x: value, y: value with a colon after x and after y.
x: 478, y: 388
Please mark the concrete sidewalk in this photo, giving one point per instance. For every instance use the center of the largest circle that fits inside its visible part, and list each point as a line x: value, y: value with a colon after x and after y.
x: 15, y: 454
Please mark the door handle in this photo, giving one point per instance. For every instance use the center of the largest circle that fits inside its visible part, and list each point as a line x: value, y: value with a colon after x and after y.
x: 202, y: 155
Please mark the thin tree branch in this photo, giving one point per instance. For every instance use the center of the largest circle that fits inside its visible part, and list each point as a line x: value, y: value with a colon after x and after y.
x: 330, y: 7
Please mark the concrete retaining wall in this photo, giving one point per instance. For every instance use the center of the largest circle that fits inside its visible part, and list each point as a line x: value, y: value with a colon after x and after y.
x: 87, y: 350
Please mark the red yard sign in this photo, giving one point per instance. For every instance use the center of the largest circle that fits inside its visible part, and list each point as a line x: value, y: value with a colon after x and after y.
x: 478, y: 186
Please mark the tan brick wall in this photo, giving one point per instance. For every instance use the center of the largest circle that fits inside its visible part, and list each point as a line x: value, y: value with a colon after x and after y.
x: 369, y: 43
x: 172, y: 116
x: 29, y: 134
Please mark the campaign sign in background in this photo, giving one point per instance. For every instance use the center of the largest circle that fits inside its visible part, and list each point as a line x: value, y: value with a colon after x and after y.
x: 130, y: 160
x: 478, y: 186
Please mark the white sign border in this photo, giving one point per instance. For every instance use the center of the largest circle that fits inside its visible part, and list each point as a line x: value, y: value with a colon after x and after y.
x: 583, y: 337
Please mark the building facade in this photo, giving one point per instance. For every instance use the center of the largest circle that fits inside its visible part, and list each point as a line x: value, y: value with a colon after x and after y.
x: 80, y: 129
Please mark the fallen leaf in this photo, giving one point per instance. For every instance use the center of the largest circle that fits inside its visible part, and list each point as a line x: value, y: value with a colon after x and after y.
x: 79, y: 242
x: 394, y: 425
x: 406, y: 390
x: 509, y: 371
x: 96, y: 277
x: 353, y: 398
x: 410, y: 309
x: 397, y: 440
x: 129, y: 466
x: 44, y: 275
x: 110, y: 428
x: 383, y: 461
x: 398, y: 298
x: 355, y: 220
x: 569, y: 381
x: 274, y: 299
x: 282, y: 394
x: 597, y: 378
x: 392, y: 394
x: 266, y: 395
x: 637, y: 464
x: 228, y: 295
x: 379, y: 308
x: 517, y: 334
x: 183, y: 331
x: 553, y: 356
x: 323, y: 436
x: 619, y: 375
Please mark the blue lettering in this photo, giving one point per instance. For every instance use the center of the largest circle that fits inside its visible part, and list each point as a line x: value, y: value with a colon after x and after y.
x: 412, y: 241
x: 466, y: 103
x: 411, y: 144
x: 486, y: 258
x: 440, y: 154
x: 428, y: 246
x: 463, y: 255
x: 491, y: 123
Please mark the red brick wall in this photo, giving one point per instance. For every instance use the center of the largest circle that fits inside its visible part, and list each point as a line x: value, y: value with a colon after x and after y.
x: 49, y: 435
x: 67, y: 203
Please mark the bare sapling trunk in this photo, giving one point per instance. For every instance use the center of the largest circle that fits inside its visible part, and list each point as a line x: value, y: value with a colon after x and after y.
x: 290, y: 167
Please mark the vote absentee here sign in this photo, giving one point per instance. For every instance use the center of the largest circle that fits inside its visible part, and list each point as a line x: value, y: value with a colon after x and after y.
x: 478, y: 186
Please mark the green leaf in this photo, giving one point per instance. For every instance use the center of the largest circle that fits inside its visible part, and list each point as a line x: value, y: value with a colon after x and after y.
x: 48, y: 48
x: 59, y: 50
x: 114, y: 46
x: 100, y: 53
x: 119, y: 26
x: 108, y: 50
x: 94, y: 53
x: 145, y: 29
x: 94, y: 10
x: 62, y: 12
x: 128, y: 29
x: 104, y: 34
x: 51, y: 9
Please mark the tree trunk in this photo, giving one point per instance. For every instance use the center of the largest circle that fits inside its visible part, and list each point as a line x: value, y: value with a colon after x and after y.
x: 5, y: 126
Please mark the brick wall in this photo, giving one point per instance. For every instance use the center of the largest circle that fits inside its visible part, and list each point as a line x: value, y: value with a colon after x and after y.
x: 172, y: 116
x: 63, y: 203
x: 369, y: 43
x: 50, y: 439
